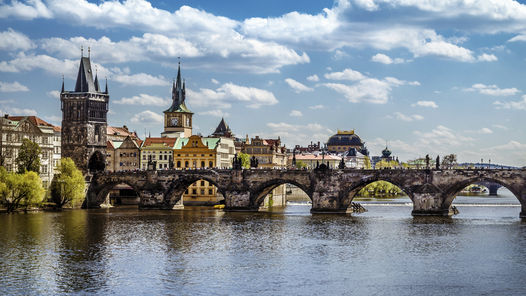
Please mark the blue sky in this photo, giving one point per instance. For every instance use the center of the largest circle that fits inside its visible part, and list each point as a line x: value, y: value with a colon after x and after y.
x: 425, y: 76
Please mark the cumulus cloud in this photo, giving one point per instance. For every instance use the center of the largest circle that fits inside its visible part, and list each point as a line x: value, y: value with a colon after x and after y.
x: 215, y: 113
x: 148, y: 118
x: 514, y: 105
x: 55, y: 94
x: 428, y: 104
x: 485, y: 131
x: 141, y: 79
x: 297, y: 134
x: 384, y: 59
x: 313, y: 78
x: 407, y: 118
x: 366, y: 89
x: 492, y: 90
x: 12, y: 40
x: 487, y: 58
x: 442, y: 136
x: 295, y: 113
x: 144, y: 100
x: 316, y: 107
x: 297, y: 86
x: 18, y: 111
x: 12, y: 87
x: 223, y: 96
x: 30, y: 10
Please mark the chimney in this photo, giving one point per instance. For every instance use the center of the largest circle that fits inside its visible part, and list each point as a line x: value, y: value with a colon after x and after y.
x: 6, y: 116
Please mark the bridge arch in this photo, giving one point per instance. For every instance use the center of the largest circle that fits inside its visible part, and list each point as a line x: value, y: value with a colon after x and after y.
x: 258, y: 194
x: 349, y: 191
x: 451, y: 192
x: 178, y: 187
x: 99, y: 193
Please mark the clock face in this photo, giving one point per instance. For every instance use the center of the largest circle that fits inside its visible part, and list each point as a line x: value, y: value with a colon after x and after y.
x: 174, y: 121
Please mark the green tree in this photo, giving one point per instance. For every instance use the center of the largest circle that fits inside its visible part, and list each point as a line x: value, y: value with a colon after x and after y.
x: 245, y: 159
x: 28, y: 159
x: 367, y: 163
x: 67, y: 187
x: 20, y: 190
x: 382, y: 164
x: 300, y: 164
x: 449, y: 161
x: 380, y: 189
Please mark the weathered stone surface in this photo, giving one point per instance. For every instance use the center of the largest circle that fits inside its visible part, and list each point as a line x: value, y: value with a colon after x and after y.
x: 331, y: 191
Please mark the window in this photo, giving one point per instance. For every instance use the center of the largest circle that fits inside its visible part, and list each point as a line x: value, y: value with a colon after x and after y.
x: 178, y: 163
x: 186, y: 192
x: 211, y: 164
x: 194, y: 191
x: 202, y: 183
x: 44, y: 169
x: 186, y: 164
x: 202, y: 164
x: 210, y: 191
x: 202, y: 192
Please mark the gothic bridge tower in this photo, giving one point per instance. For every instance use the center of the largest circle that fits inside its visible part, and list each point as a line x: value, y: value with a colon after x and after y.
x: 178, y: 118
x: 84, y: 120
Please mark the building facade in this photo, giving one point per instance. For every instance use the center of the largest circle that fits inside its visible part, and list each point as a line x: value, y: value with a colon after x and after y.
x: 84, y: 120
x: 13, y: 129
x: 342, y: 141
x: 123, y: 155
x: 157, y: 153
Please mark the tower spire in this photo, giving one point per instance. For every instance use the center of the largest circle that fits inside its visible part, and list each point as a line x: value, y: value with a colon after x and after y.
x: 62, y: 90
x: 106, y: 90
x: 96, y: 82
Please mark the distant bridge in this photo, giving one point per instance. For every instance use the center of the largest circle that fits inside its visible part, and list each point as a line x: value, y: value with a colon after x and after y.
x: 331, y: 191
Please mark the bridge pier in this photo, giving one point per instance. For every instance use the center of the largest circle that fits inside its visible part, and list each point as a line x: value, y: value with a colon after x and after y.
x: 238, y: 201
x: 493, y: 188
x: 327, y: 203
x: 430, y: 204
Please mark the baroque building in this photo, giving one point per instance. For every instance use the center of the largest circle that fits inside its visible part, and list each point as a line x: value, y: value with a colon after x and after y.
x: 13, y: 129
x: 84, y: 120
x: 344, y: 140
x: 178, y: 118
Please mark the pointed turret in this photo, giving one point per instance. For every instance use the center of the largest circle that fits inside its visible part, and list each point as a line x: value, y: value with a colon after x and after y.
x: 62, y: 90
x: 106, y: 89
x: 223, y: 130
x: 97, y: 87
x: 85, y: 77
x: 178, y: 95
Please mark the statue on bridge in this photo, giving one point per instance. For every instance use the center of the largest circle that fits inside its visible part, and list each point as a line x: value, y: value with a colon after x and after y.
x: 342, y: 163
x: 437, y: 164
x: 254, y: 162
x: 427, y: 161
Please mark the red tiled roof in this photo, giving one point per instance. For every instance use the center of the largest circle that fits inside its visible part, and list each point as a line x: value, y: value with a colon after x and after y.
x: 57, y: 128
x: 36, y: 120
x: 170, y: 142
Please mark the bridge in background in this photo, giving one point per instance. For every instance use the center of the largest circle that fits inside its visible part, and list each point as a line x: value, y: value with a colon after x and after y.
x: 331, y: 191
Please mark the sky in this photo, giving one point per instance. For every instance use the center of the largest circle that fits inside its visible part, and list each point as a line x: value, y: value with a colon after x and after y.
x: 422, y: 76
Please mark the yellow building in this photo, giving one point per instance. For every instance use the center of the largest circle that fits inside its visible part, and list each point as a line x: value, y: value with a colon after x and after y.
x: 344, y: 140
x: 158, y: 152
x: 198, y: 152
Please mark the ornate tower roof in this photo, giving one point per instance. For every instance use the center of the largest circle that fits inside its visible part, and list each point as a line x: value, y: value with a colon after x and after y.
x: 222, y: 130
x: 178, y: 95
x: 85, y: 77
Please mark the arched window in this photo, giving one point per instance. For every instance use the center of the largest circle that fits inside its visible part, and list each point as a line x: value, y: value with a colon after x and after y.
x: 186, y: 164
x: 178, y: 163
x: 202, y: 164
x: 211, y: 164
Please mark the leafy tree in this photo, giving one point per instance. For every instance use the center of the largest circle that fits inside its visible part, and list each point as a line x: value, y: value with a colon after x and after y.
x: 19, y: 190
x: 68, y: 185
x: 386, y: 164
x: 380, y: 189
x: 367, y: 163
x: 449, y: 161
x: 245, y: 159
x: 300, y: 164
x: 28, y: 159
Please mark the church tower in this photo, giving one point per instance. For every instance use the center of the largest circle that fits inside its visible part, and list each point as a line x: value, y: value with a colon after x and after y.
x: 178, y: 118
x: 84, y: 120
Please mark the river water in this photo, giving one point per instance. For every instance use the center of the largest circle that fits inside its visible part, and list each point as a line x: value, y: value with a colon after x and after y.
x: 202, y: 251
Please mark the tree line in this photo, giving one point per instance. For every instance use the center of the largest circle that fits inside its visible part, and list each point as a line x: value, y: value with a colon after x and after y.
x: 22, y: 190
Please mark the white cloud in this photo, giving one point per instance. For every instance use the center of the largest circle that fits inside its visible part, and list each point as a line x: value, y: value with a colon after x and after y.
x: 492, y: 90
x: 515, y: 105
x: 55, y: 94
x: 316, y: 107
x: 297, y: 86
x: 12, y: 87
x: 313, y: 78
x: 485, y: 131
x: 141, y: 79
x: 408, y: 118
x: 148, y: 118
x: 30, y: 10
x: 214, y: 81
x: 500, y: 126
x: 442, y: 136
x: 12, y: 40
x: 487, y: 58
x: 23, y: 62
x: 428, y: 104
x: 384, y: 59
x: 300, y: 134
x: 15, y: 111
x: 144, y: 100
x: 518, y: 38
x: 229, y: 92
x: 215, y: 113
x: 54, y: 119
x: 511, y: 145
x: 347, y: 74
x: 296, y: 113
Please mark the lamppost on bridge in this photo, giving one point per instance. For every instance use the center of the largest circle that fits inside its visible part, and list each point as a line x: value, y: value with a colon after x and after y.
x: 489, y: 163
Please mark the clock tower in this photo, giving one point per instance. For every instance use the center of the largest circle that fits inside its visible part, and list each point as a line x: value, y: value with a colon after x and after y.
x: 178, y: 118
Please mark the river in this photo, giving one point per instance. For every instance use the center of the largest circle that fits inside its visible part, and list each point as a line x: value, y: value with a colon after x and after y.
x: 202, y: 251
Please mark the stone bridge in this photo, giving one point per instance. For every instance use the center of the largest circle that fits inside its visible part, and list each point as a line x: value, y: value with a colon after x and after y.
x: 331, y: 191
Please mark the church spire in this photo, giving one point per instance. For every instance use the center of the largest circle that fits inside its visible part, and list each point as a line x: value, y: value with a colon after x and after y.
x: 106, y: 90
x: 84, y: 76
x: 178, y: 94
x: 62, y: 90
x: 97, y: 86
